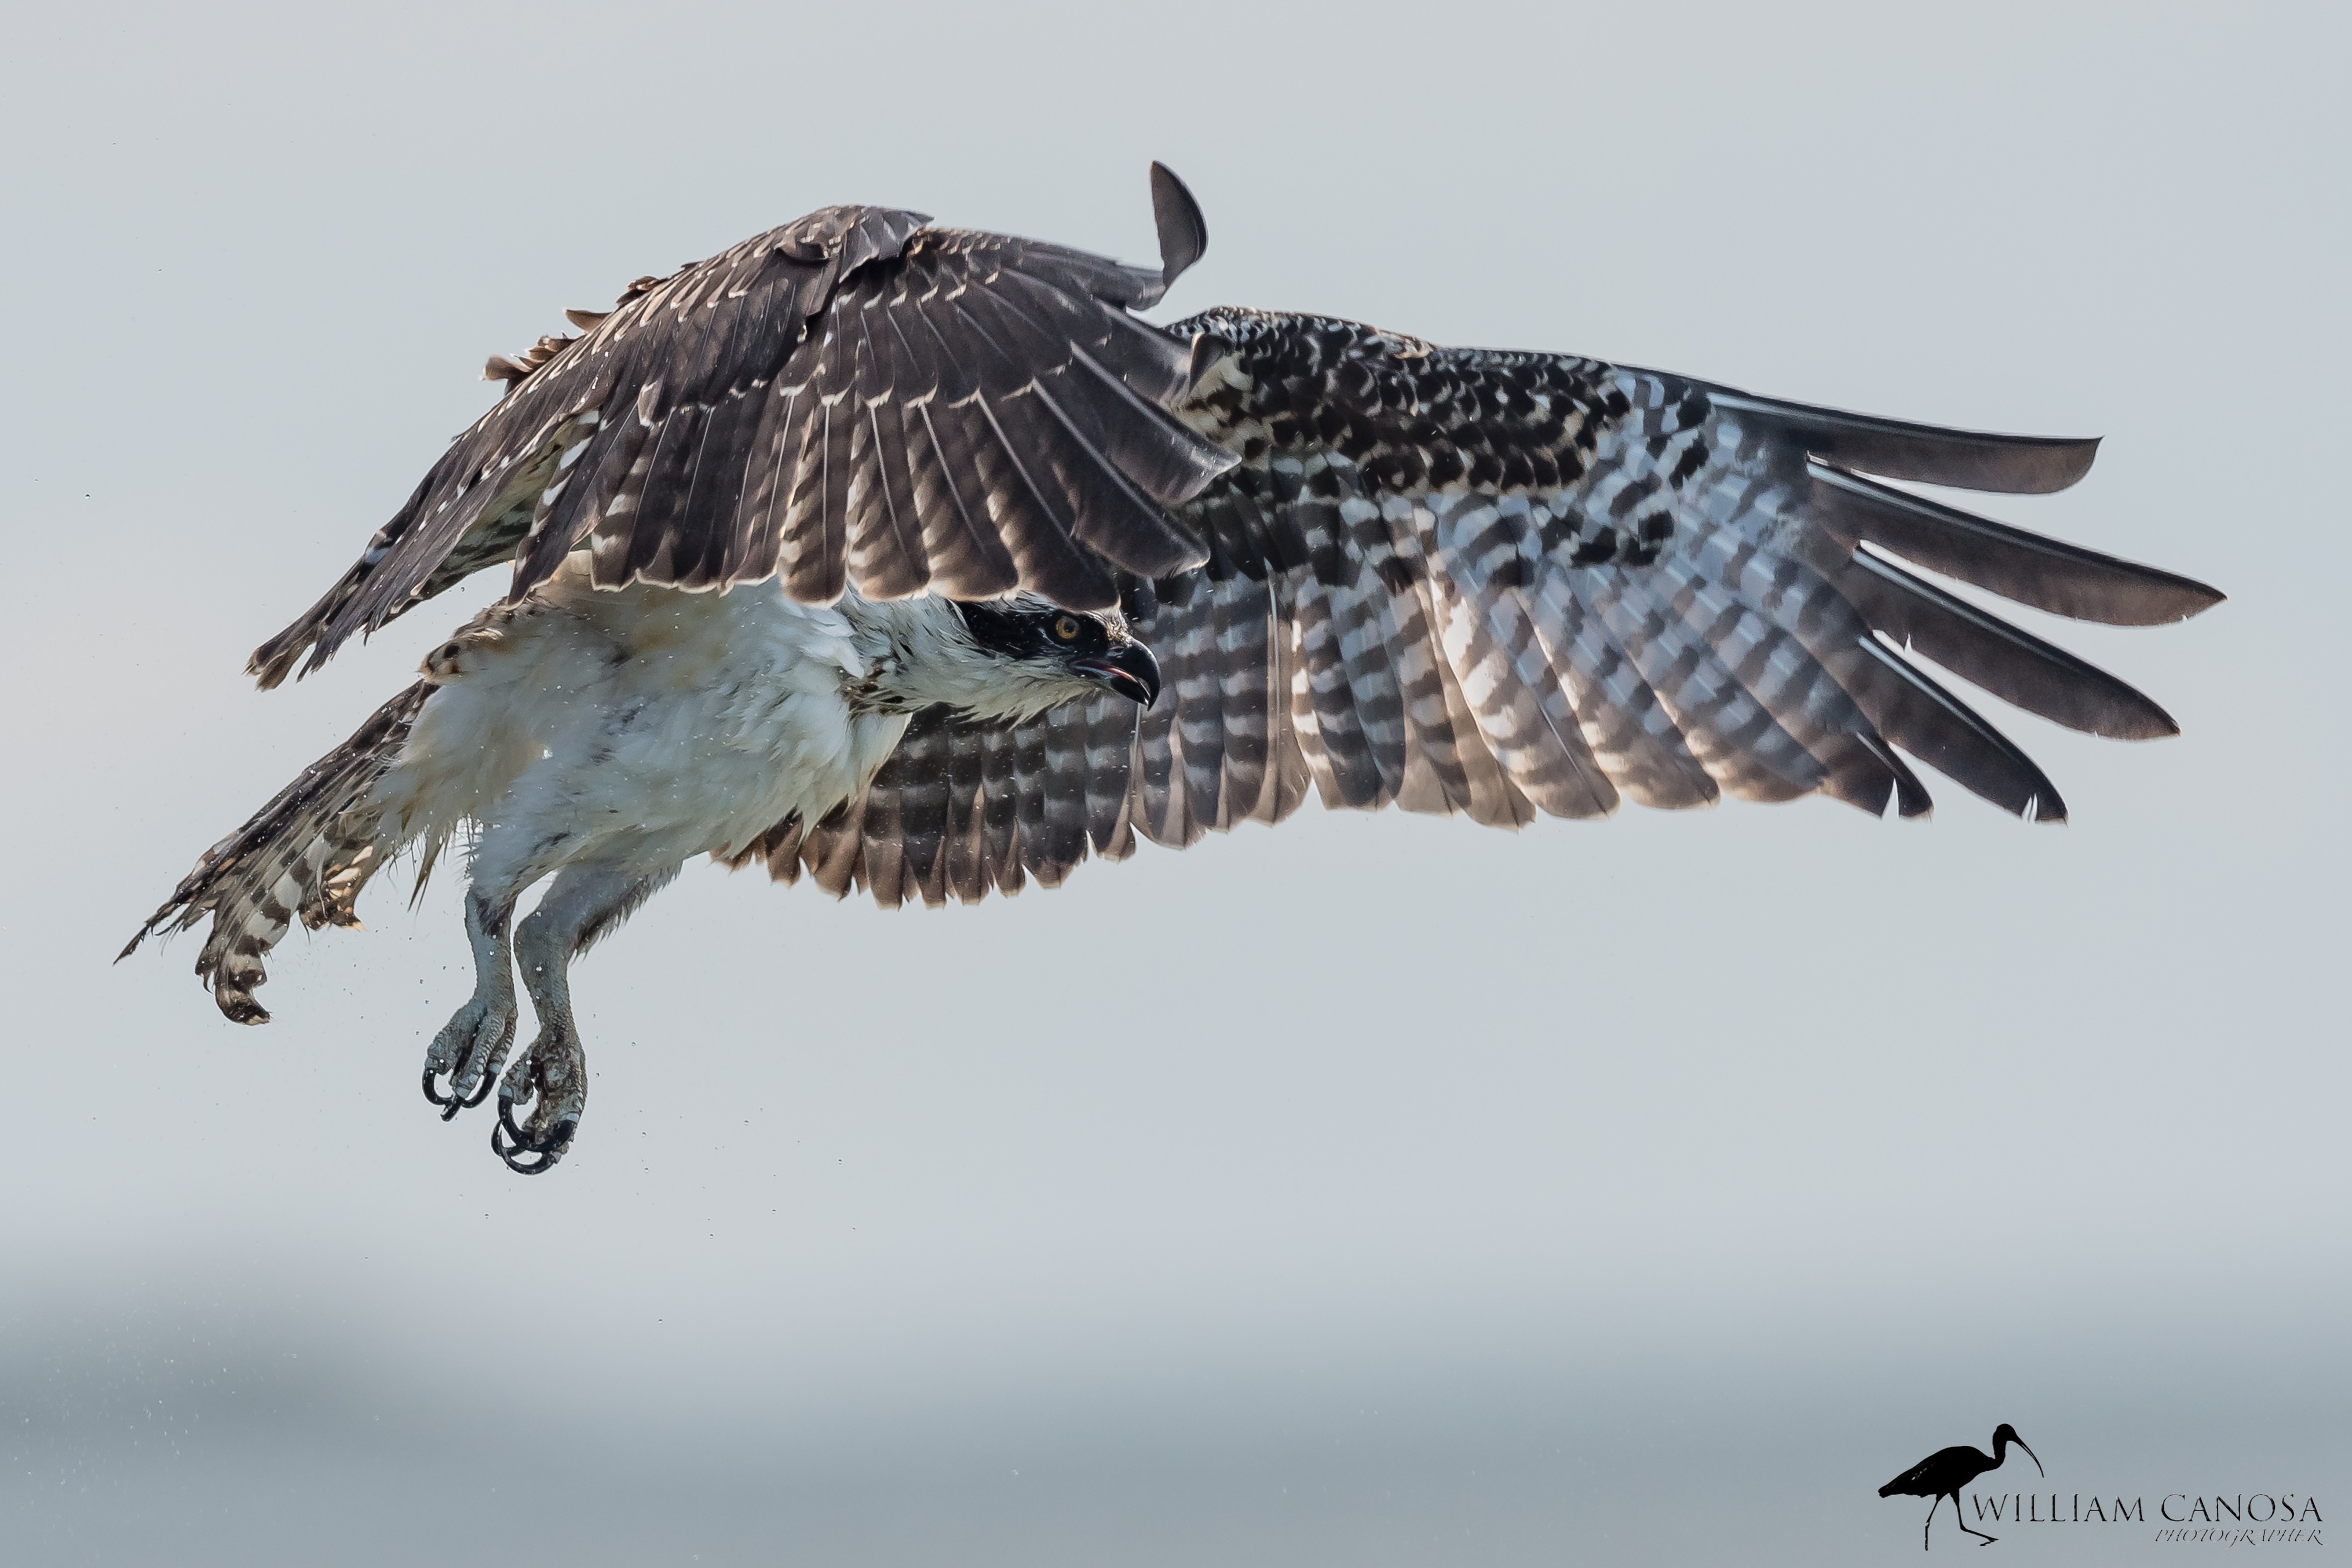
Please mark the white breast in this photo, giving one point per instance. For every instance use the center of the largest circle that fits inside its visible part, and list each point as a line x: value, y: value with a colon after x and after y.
x: 647, y: 723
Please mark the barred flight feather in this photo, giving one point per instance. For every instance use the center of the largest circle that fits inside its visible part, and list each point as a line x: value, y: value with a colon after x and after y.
x: 305, y: 855
x: 1507, y: 584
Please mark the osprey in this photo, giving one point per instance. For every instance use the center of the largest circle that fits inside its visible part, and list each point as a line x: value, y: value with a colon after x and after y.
x: 911, y: 559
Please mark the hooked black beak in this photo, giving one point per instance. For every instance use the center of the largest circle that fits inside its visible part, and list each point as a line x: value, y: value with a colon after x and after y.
x: 1129, y: 669
x: 2031, y: 1455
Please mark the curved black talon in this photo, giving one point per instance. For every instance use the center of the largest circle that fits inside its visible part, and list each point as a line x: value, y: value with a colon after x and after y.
x: 536, y: 1140
x: 548, y: 1153
x: 511, y: 1142
x: 524, y: 1141
x: 453, y: 1101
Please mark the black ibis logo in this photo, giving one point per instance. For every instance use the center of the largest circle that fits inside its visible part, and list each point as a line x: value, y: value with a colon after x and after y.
x: 1943, y: 1473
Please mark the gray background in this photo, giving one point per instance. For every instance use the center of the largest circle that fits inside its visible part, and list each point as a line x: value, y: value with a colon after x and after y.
x: 1377, y: 1191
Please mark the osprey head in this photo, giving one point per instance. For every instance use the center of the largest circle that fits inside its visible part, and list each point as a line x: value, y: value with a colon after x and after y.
x: 1045, y: 655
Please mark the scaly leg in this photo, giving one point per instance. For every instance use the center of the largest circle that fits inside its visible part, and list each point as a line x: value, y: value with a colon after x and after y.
x: 586, y: 901
x: 472, y: 1048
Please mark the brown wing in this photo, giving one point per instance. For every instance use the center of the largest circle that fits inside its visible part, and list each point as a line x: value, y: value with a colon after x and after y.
x: 1505, y: 584
x: 852, y: 400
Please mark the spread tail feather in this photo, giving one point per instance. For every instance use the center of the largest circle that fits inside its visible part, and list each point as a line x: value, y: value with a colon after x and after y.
x: 306, y: 854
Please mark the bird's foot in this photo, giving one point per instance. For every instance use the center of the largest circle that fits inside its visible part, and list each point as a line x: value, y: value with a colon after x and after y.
x: 469, y: 1051
x: 551, y: 1078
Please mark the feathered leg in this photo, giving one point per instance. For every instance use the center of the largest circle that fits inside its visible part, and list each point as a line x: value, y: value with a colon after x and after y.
x: 473, y: 1046
x: 586, y: 901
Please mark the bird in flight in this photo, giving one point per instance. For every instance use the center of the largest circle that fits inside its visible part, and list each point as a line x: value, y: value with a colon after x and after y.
x: 911, y: 559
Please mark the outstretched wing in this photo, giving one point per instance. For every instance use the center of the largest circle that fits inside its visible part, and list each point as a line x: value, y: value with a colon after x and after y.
x: 1505, y: 584
x: 854, y: 400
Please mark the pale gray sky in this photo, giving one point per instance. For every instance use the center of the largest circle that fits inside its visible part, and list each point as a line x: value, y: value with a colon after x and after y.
x: 1637, y: 1192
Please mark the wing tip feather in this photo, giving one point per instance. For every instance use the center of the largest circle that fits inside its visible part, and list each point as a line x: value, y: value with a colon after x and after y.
x: 1183, y: 231
x: 1925, y: 453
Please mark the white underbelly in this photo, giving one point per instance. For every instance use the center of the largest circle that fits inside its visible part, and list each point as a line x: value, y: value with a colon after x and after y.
x: 707, y: 769
x: 645, y: 726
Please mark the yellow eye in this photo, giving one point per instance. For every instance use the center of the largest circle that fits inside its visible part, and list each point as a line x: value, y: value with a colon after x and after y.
x: 1065, y: 627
